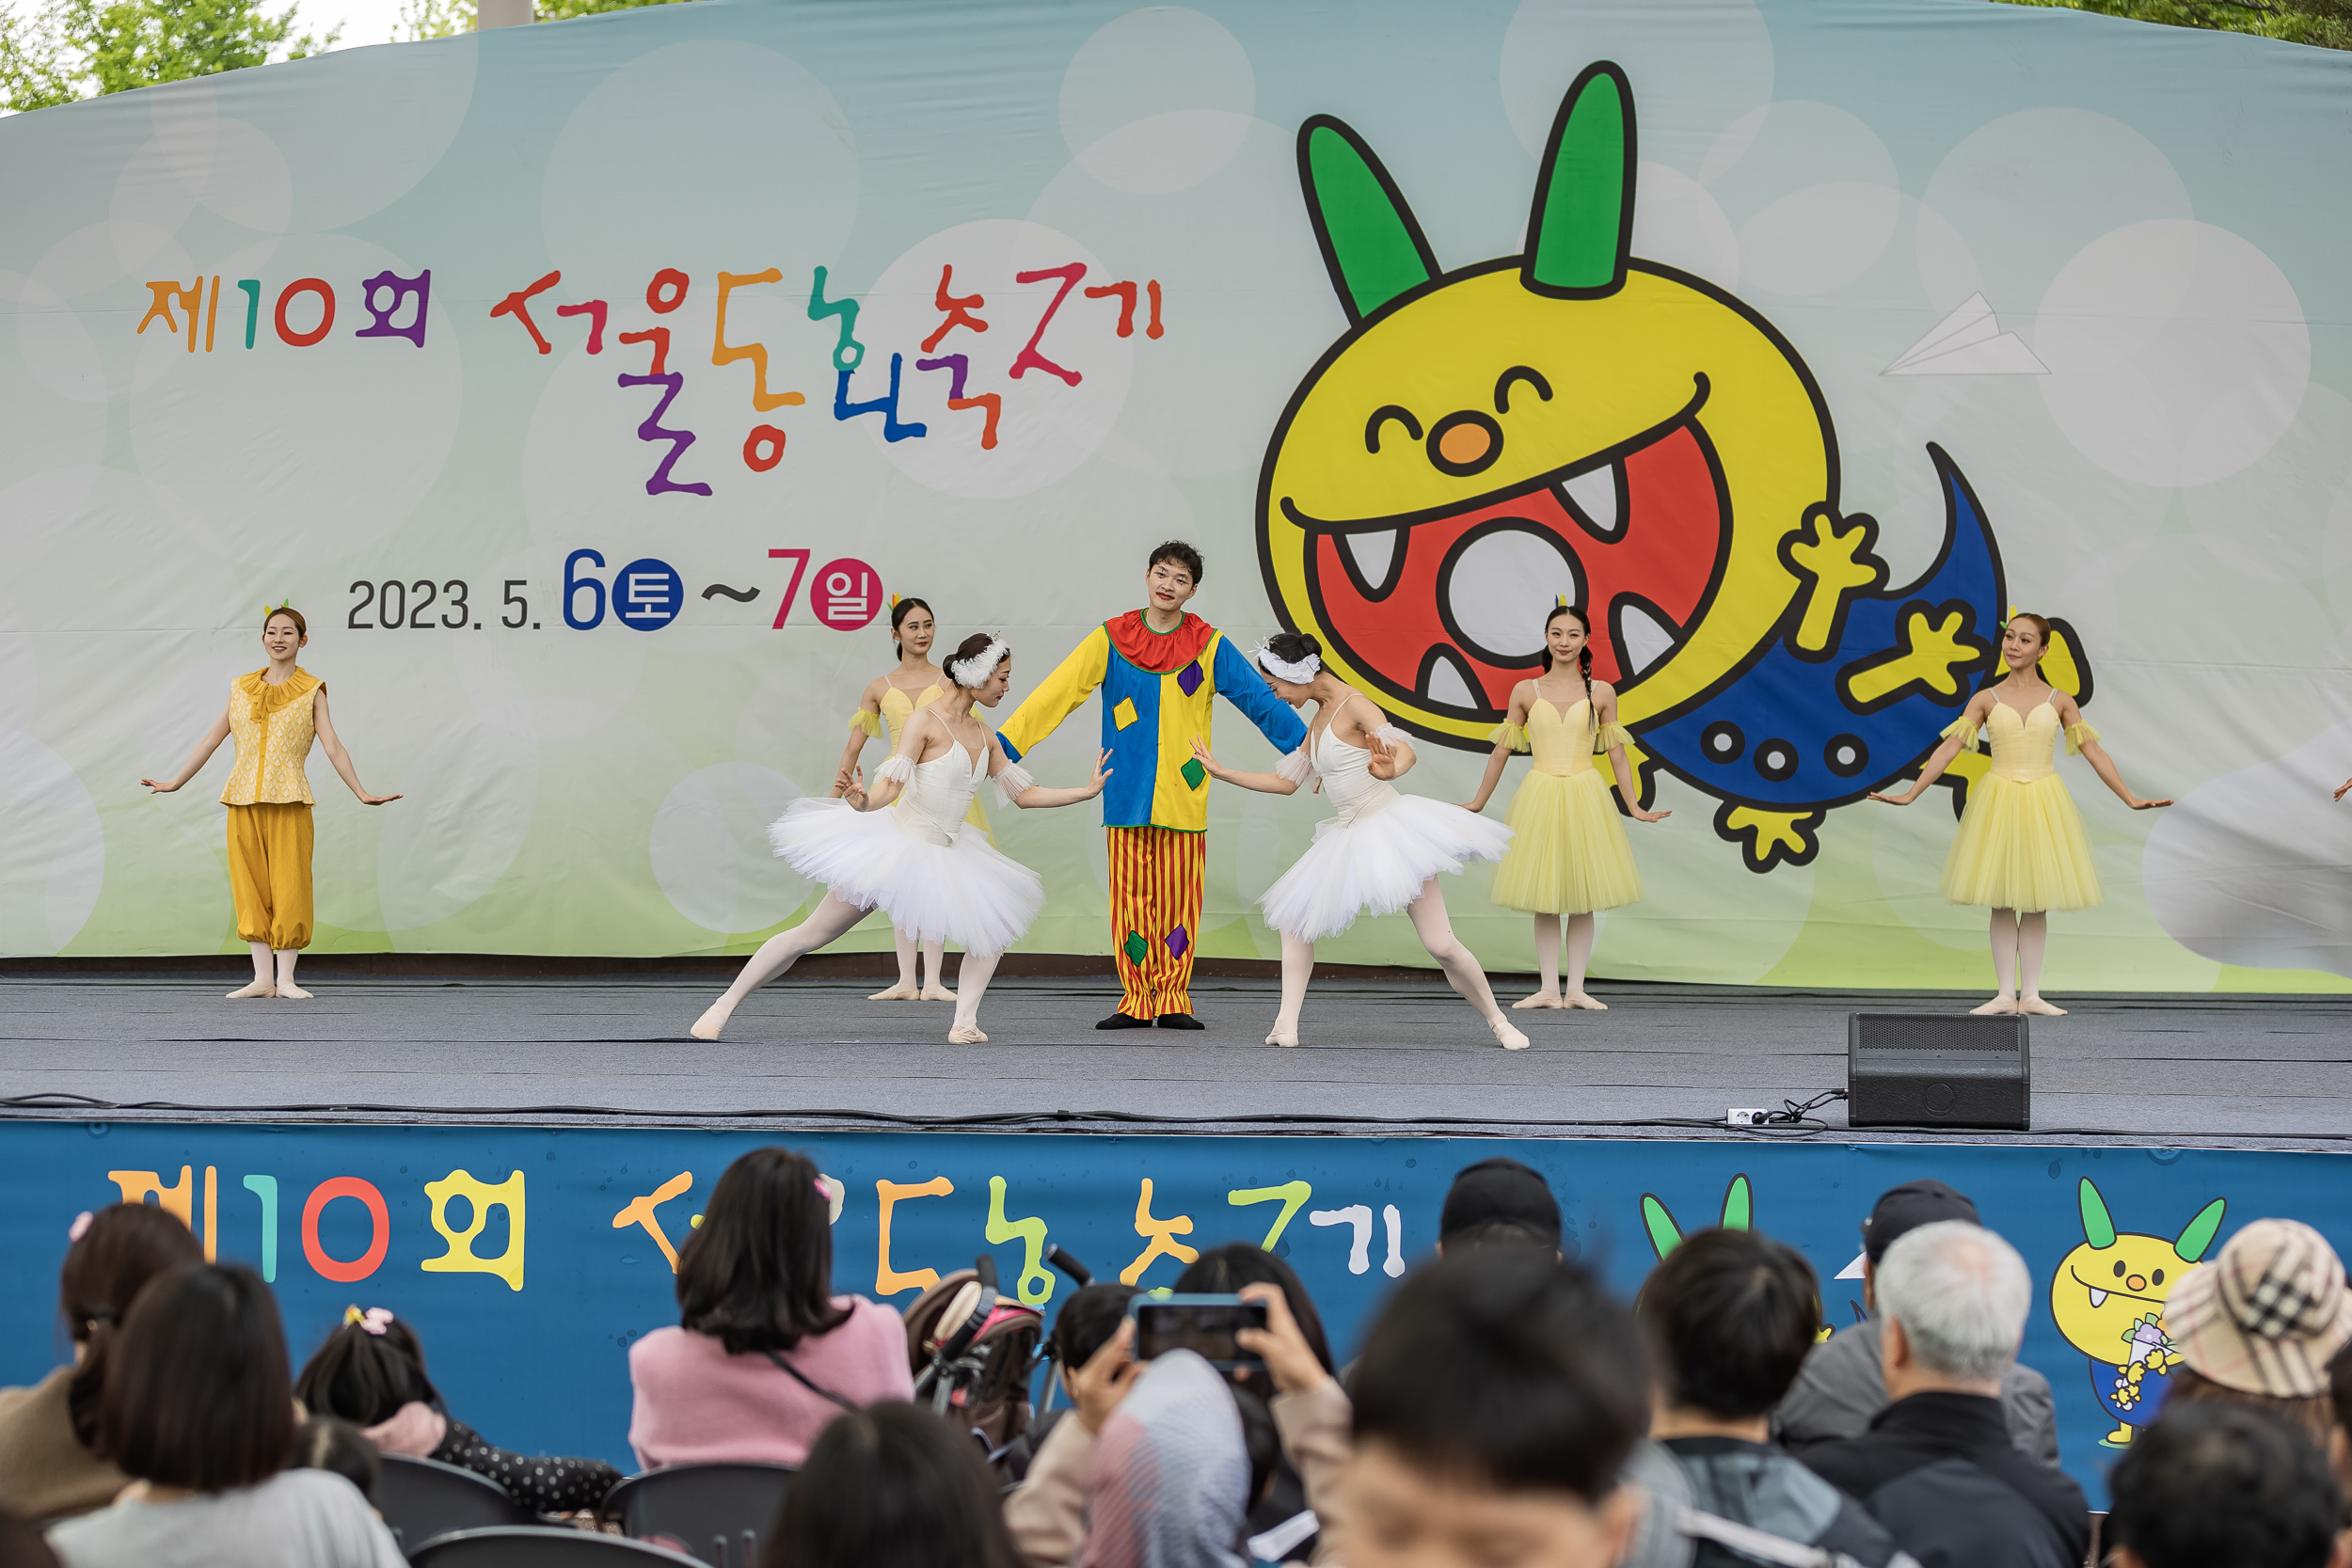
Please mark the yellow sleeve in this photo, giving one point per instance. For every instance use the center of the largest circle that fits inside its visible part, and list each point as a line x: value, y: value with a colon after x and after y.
x: 869, y: 722
x: 1059, y: 696
x: 1513, y: 734
x: 1962, y: 730
x: 1609, y: 736
x: 2078, y: 734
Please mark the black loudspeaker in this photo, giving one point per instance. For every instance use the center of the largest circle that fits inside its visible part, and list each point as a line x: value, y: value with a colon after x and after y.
x: 1929, y: 1070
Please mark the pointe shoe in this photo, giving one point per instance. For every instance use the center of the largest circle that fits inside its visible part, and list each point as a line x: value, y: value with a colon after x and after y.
x: 903, y: 992
x: 935, y: 992
x: 1510, y: 1039
x: 713, y: 1019
x: 2000, y: 1006
x: 1283, y: 1036
x: 966, y: 1034
x: 2039, y: 1008
x: 1541, y: 999
x: 259, y: 988
x: 294, y: 992
x: 1583, y: 1002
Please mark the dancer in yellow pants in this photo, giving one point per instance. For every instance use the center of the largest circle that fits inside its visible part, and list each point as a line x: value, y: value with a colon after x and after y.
x: 273, y: 713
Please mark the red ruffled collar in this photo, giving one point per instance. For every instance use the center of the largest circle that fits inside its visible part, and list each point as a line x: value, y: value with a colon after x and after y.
x: 1159, y: 653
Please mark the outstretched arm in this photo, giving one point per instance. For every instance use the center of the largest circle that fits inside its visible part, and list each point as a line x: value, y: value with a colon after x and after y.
x: 1265, y: 783
x: 1013, y: 784
x: 197, y: 758
x: 865, y: 724
x: 1961, y: 732
x: 1072, y: 683
x: 1605, y: 716
x: 1510, y: 736
x: 332, y: 745
x: 1239, y: 683
x: 2084, y: 741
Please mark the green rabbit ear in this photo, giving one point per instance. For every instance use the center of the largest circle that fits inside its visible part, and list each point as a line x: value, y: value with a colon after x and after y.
x: 1581, y: 230
x: 1738, y: 1204
x: 1664, y: 1235
x: 2199, y: 1233
x: 2098, y: 1227
x: 1371, y: 244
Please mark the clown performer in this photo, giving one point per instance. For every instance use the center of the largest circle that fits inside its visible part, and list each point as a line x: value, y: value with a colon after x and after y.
x: 1381, y: 853
x: 2019, y: 848
x: 1158, y: 668
x: 923, y: 864
x: 883, y: 712
x: 1569, y: 854
x: 273, y: 713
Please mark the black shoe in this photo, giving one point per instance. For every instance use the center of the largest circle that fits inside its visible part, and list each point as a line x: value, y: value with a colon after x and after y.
x: 1120, y: 1021
x: 1179, y: 1021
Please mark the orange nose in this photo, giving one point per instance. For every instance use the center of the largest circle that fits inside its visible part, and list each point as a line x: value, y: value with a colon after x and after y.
x: 1464, y: 445
x: 2138, y: 1282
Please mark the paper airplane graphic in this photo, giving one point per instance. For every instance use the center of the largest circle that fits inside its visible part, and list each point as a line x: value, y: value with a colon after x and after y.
x: 1969, y: 342
x: 1852, y: 1269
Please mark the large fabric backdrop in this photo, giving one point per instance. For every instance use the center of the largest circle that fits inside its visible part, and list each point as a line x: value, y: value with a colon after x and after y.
x: 593, y: 386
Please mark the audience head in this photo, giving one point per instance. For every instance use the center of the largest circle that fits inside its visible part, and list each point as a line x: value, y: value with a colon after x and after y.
x: 369, y: 1368
x: 2214, y: 1485
x: 1499, y: 1202
x: 114, y: 1251
x: 1223, y: 1270
x: 890, y: 1486
x: 2260, y: 1323
x: 1907, y: 1207
x: 756, y: 1275
x: 326, y: 1443
x: 1957, y: 1295
x: 1172, y: 1482
x: 1495, y: 1403
x: 1730, y: 1316
x: 197, y: 1395
x: 1087, y: 1320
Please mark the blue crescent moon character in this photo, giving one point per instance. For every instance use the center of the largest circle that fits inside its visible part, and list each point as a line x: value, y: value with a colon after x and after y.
x: 1788, y: 733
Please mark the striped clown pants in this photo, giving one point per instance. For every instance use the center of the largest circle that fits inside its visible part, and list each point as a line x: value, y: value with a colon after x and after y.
x: 1156, y: 916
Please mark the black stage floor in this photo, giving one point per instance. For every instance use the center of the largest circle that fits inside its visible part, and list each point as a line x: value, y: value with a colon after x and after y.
x: 1380, y: 1058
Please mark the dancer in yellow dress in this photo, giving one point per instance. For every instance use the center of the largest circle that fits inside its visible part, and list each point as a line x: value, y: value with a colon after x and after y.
x: 882, y: 714
x: 1568, y: 855
x: 273, y: 713
x: 2019, y: 848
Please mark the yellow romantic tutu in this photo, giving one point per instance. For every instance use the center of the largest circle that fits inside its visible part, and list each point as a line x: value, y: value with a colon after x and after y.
x: 2020, y: 843
x: 1568, y: 853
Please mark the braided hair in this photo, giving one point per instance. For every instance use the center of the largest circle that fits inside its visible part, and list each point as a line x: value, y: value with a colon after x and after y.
x: 1584, y: 655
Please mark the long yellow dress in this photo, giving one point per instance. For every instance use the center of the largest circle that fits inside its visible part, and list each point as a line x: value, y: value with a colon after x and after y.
x: 2020, y: 844
x: 896, y: 708
x: 1568, y: 853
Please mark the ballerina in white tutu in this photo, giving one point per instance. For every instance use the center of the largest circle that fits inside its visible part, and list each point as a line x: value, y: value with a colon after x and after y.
x: 923, y: 864
x: 1382, y: 853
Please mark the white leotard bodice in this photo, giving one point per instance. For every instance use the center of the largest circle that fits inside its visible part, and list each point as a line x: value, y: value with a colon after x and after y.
x: 1346, y: 774
x: 939, y: 792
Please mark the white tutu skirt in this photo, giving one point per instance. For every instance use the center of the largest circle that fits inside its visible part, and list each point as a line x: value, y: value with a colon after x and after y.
x: 1376, y: 864
x: 966, y: 892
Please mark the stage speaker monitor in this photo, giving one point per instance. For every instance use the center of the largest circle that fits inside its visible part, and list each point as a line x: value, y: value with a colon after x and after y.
x: 1934, y: 1069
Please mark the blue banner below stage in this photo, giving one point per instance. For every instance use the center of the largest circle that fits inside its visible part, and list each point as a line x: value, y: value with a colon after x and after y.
x: 529, y: 1258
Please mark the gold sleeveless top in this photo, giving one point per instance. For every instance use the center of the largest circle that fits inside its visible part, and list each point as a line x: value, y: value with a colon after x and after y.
x: 273, y: 730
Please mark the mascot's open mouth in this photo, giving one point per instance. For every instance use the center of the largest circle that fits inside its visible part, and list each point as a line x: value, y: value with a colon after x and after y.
x: 1445, y: 608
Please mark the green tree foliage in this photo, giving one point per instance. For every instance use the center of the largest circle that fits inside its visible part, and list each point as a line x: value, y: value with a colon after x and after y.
x: 74, y: 49
x: 2325, y: 23
x: 437, y: 19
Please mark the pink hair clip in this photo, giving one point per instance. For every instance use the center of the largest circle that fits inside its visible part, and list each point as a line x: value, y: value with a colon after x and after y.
x: 80, y: 1227
x: 373, y: 1321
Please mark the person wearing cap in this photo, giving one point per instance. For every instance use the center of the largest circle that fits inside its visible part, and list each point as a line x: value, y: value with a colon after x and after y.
x: 2260, y: 1323
x: 1937, y: 1466
x: 1842, y: 1386
x: 1499, y: 1202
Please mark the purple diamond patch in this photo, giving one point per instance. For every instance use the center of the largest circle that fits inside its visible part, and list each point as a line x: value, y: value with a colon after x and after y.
x: 1189, y: 679
x: 1177, y: 942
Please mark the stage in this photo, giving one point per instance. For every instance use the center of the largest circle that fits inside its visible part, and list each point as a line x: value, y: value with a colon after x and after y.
x: 1380, y: 1059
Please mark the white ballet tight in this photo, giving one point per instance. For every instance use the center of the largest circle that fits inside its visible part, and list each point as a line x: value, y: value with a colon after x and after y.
x: 1435, y: 932
x: 2019, y: 941
x: 1580, y: 929
x: 934, y: 954
x: 830, y: 919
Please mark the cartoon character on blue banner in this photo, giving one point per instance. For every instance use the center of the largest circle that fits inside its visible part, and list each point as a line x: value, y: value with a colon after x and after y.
x: 2108, y: 1296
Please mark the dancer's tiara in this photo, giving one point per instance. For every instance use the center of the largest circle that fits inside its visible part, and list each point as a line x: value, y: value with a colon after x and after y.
x: 972, y: 673
x: 1297, y: 674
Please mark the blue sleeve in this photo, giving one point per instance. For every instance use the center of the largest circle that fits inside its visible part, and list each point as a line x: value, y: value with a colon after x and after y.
x: 1239, y: 683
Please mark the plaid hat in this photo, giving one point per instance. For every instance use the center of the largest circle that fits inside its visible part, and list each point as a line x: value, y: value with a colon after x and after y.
x: 1500, y: 1189
x: 1908, y: 1207
x: 2267, y: 1315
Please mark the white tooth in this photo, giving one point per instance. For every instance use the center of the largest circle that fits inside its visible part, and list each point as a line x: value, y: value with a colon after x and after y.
x: 1594, y: 493
x: 1645, y: 639
x: 1375, y: 554
x: 1447, y: 688
x: 1502, y: 585
x: 2098, y: 1297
